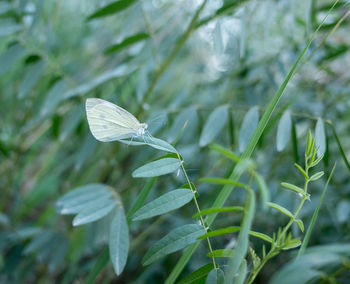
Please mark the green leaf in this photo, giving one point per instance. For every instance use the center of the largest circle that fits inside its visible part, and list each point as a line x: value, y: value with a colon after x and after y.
x: 119, y: 241
x: 197, y: 274
x: 316, y: 176
x: 187, y: 117
x: 32, y: 76
x: 225, y: 152
x: 74, y: 201
x: 213, y: 125
x: 157, y: 168
x: 281, y: 209
x: 250, y: 122
x: 293, y: 187
x: 120, y: 71
x: 10, y: 56
x: 216, y: 276
x: 222, y: 181
x: 151, y: 141
x: 302, y: 171
x: 127, y: 42
x: 174, y: 241
x: 221, y: 253
x: 53, y: 98
x: 112, y: 8
x: 283, y: 131
x: 218, y: 40
x: 292, y: 243
x: 141, y: 198
x: 295, y: 143
x: 217, y: 210
x: 300, y: 224
x: 314, y: 216
x: 320, y: 138
x: 165, y: 203
x: 94, y: 212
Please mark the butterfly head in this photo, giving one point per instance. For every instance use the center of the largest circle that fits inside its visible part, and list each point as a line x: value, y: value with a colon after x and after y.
x: 142, y: 129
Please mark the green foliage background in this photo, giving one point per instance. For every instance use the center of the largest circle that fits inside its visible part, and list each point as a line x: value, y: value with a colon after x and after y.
x: 167, y: 62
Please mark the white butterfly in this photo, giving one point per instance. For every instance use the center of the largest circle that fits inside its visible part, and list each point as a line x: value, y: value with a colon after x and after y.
x: 109, y: 122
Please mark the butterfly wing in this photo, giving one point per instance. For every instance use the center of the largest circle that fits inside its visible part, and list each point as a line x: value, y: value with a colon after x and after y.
x: 109, y: 122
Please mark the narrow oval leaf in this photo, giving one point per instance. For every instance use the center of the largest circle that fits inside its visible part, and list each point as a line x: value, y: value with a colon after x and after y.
x: 119, y: 241
x: 281, y: 209
x: 165, y: 203
x: 196, y: 275
x: 151, y: 141
x: 127, y: 42
x: 250, y: 122
x: 264, y: 191
x: 112, y: 8
x: 94, y: 212
x: 300, y: 224
x: 320, y: 137
x: 225, y: 152
x: 32, y: 76
x: 283, y: 131
x: 221, y: 253
x: 174, y: 241
x: 213, y: 125
x: 157, y: 168
x: 216, y: 276
x: 293, y: 187
x: 316, y: 176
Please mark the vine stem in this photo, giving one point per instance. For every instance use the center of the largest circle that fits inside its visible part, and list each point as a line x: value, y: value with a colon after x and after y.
x: 197, y: 207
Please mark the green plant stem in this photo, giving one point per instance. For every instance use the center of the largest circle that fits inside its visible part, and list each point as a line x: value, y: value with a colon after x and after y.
x: 172, y: 55
x: 275, y: 248
x: 197, y: 207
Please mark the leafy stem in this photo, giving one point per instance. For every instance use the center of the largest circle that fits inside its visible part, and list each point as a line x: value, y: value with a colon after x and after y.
x: 197, y: 206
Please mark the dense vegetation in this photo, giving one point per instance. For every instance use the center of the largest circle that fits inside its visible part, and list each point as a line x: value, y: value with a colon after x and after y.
x: 245, y: 177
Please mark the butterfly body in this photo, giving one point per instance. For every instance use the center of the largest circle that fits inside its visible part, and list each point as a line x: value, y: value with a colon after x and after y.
x: 109, y: 122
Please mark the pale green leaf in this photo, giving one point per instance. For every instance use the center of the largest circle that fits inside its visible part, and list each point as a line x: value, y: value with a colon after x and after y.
x: 250, y: 122
x: 32, y: 76
x: 293, y: 187
x: 157, y: 168
x: 221, y: 253
x: 165, y: 203
x: 111, y: 8
x: 10, y: 56
x: 320, y: 137
x: 151, y: 141
x: 119, y: 241
x: 280, y: 209
x: 283, y: 131
x: 213, y: 125
x: 176, y: 240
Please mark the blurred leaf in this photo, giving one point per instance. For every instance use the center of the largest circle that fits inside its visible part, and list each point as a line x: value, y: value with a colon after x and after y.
x: 127, y: 42
x: 250, y: 122
x: 164, y: 204
x: 225, y: 152
x: 221, y: 253
x: 157, y: 168
x: 340, y: 147
x: 213, y: 125
x: 263, y: 190
x: 120, y: 71
x: 295, y: 143
x: 216, y: 276
x: 197, y: 274
x: 217, y: 39
x: 188, y: 115
x: 293, y: 187
x: 242, y: 273
x: 32, y: 76
x: 71, y: 121
x: 100, y: 264
x: 9, y: 27
x: 93, y: 212
x: 176, y: 240
x: 112, y: 8
x: 283, y: 131
x: 320, y: 138
x: 217, y: 210
x: 10, y: 56
x: 53, y: 98
x: 119, y: 241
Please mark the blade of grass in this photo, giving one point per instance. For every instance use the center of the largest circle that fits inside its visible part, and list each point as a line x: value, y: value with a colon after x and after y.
x: 339, y: 145
x: 227, y: 189
x: 314, y: 217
